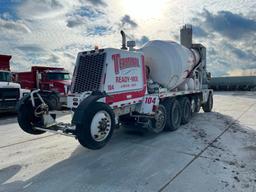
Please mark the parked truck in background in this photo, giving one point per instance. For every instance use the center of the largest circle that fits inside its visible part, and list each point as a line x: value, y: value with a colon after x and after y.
x: 10, y: 92
x: 54, y: 82
x: 156, y: 87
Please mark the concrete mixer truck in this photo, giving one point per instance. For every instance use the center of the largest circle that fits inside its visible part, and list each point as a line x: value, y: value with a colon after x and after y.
x: 157, y: 87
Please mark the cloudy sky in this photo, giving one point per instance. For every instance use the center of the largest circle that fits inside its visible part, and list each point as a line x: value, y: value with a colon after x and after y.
x: 52, y: 32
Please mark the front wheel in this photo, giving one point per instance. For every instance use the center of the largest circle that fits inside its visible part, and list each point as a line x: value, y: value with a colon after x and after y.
x: 97, y: 127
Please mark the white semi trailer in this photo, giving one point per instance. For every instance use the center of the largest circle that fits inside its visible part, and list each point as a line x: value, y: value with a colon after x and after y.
x: 157, y: 87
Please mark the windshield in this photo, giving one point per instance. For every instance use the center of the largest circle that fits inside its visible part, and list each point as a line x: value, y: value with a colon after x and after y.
x: 58, y: 76
x: 5, y: 76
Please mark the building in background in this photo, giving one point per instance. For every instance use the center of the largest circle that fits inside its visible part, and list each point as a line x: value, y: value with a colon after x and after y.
x: 238, y: 83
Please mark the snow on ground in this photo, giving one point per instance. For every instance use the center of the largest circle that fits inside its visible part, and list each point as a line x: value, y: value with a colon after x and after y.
x: 214, y: 152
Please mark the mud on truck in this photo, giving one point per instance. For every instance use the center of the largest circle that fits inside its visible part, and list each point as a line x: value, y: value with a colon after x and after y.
x: 157, y: 87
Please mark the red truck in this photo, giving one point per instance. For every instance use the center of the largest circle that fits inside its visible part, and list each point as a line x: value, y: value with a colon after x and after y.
x: 53, y: 81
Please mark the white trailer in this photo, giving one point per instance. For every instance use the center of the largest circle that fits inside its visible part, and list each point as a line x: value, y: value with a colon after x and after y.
x: 157, y: 87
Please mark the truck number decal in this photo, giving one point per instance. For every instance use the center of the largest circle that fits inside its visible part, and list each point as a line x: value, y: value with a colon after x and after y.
x: 150, y: 100
x: 148, y: 104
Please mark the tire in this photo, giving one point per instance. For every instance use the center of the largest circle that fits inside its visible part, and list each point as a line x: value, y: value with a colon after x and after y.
x: 27, y: 119
x: 207, y: 107
x: 173, y: 113
x: 91, y: 136
x: 197, y: 104
x: 186, y: 111
x: 157, y: 124
x: 52, y: 101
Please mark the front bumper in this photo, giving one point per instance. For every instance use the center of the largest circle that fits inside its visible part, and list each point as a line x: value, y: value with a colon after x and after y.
x: 8, y: 105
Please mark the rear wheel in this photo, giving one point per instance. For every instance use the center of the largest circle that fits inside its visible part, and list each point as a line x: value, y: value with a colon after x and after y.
x: 97, y: 127
x: 157, y: 124
x: 186, y: 111
x: 173, y: 113
x: 207, y: 107
x: 197, y: 102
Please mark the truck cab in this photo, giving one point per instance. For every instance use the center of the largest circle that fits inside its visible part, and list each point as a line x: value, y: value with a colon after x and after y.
x: 50, y: 80
x: 10, y: 92
x: 5, y: 76
x: 55, y: 80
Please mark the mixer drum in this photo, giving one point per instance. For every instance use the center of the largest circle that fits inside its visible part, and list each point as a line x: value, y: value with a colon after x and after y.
x: 169, y: 62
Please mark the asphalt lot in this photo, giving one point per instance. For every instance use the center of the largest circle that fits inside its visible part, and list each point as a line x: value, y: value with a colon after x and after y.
x: 214, y: 152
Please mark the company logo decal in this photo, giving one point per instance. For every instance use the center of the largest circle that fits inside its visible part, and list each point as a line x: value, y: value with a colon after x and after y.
x: 124, y: 63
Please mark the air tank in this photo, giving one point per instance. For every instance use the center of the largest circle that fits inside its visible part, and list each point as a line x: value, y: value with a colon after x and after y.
x: 170, y: 63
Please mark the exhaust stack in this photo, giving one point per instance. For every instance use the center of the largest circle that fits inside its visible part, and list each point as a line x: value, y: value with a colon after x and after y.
x: 123, y: 40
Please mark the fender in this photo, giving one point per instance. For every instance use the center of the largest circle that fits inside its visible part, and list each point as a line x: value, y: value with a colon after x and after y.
x: 81, y: 110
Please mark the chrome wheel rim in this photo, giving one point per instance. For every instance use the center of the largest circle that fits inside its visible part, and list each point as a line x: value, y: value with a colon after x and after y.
x: 100, y: 126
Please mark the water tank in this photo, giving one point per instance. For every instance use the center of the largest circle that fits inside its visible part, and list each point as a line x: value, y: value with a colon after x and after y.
x: 169, y: 62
